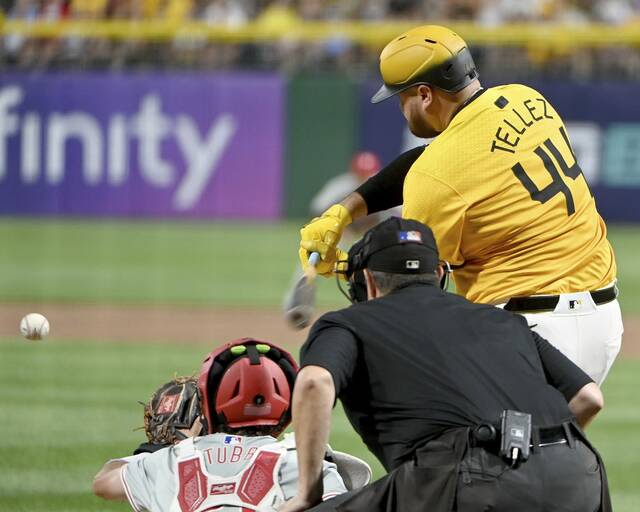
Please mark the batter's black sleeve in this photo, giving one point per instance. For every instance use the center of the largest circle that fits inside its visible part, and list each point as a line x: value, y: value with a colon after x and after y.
x: 560, y: 371
x: 333, y: 348
x: 384, y: 190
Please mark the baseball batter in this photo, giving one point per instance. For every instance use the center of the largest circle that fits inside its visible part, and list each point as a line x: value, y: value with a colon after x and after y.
x: 503, y: 193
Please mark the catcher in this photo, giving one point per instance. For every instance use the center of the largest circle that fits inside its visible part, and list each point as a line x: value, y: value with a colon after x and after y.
x: 212, y: 440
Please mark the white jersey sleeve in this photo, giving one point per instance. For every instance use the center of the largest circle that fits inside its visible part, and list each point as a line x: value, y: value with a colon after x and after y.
x: 139, y: 484
x: 331, y: 479
x: 147, y: 480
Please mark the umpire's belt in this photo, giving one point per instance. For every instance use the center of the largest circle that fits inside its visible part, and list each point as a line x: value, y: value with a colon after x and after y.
x: 540, y: 303
x: 540, y: 437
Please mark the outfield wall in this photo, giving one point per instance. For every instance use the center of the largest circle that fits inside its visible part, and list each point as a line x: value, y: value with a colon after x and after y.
x: 244, y: 145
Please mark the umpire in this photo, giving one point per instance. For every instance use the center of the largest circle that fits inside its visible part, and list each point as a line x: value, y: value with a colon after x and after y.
x: 465, y: 406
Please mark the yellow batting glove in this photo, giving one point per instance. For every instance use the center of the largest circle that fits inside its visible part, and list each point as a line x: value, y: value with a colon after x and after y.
x: 322, y: 235
x: 336, y: 261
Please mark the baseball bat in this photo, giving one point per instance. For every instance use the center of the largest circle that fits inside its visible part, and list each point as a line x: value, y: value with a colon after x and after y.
x: 298, y: 308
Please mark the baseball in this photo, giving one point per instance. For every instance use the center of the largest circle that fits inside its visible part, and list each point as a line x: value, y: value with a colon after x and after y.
x: 34, y: 326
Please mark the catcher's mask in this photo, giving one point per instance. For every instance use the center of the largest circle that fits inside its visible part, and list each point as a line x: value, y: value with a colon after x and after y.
x: 246, y: 383
x: 400, y: 246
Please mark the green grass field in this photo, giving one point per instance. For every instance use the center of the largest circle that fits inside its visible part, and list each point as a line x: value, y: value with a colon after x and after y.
x: 69, y: 406
x: 184, y: 263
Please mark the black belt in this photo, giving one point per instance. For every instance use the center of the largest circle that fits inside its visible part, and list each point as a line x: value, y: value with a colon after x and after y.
x: 550, y: 436
x: 540, y: 437
x: 549, y: 302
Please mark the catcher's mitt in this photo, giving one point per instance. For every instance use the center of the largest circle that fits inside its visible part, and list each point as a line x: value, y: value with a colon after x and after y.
x: 174, y: 407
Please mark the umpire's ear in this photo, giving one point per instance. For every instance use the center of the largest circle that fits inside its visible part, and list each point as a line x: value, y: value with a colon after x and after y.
x: 372, y: 289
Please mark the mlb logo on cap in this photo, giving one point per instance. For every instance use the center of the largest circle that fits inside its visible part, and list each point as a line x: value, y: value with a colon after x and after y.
x: 397, y: 246
x: 410, y: 236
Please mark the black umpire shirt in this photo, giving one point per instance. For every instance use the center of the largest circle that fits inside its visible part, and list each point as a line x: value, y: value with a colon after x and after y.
x: 419, y: 361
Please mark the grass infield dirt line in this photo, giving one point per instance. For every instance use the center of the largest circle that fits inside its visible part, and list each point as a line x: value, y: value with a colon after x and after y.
x: 192, y: 325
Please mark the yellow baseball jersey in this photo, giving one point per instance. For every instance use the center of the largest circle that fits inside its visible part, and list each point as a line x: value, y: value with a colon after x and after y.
x: 507, y: 201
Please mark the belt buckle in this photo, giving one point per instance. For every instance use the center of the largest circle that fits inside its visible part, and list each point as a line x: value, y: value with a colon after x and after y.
x: 552, y: 443
x: 553, y: 436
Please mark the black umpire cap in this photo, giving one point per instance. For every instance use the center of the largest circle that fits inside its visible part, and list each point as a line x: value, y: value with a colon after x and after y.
x: 396, y: 246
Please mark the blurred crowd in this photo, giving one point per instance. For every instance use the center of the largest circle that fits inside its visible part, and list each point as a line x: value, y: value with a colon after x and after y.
x: 337, y: 53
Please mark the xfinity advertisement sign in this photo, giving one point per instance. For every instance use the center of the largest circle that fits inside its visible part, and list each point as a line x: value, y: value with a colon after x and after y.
x: 194, y: 146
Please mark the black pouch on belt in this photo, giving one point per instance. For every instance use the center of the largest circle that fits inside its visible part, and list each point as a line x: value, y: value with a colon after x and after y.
x: 515, y: 436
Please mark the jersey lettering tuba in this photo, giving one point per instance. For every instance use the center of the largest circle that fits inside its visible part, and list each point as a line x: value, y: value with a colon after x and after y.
x: 254, y: 488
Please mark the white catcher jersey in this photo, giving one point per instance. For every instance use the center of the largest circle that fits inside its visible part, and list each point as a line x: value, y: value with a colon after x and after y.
x: 219, y: 472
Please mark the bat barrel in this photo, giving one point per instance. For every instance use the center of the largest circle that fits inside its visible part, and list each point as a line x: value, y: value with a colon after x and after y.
x: 299, y: 317
x: 298, y: 310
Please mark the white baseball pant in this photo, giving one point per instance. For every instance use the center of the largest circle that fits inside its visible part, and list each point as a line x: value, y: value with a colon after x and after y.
x: 588, y: 334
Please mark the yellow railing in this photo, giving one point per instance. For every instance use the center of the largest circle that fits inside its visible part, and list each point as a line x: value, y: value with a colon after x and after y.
x: 370, y: 34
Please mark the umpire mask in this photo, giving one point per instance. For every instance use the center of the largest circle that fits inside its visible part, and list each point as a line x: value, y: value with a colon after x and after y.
x: 356, y: 283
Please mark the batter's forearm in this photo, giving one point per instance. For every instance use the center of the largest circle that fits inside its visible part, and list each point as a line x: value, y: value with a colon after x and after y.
x: 384, y: 190
x: 356, y: 205
x: 313, y: 400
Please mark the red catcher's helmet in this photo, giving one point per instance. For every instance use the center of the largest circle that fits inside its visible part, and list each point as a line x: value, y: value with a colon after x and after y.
x: 365, y: 164
x: 246, y: 383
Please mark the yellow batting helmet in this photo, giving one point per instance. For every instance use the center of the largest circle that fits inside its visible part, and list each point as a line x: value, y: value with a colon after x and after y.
x: 430, y: 54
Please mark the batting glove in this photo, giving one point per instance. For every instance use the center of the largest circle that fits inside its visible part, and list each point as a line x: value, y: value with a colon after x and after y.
x: 322, y: 235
